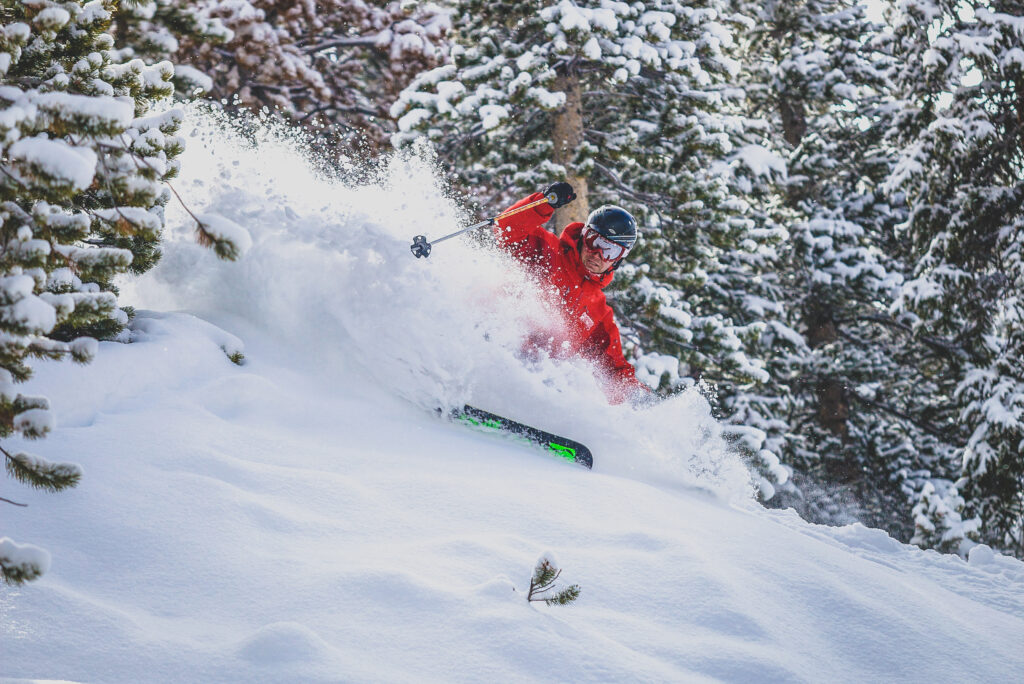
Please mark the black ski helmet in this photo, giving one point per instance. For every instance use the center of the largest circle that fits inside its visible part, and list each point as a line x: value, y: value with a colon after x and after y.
x: 614, y: 223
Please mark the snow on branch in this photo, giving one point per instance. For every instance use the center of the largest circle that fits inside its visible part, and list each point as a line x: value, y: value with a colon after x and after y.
x: 40, y: 473
x: 227, y: 239
x: 21, y: 563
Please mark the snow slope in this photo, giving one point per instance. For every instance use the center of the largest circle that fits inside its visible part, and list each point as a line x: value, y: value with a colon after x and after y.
x: 305, y: 517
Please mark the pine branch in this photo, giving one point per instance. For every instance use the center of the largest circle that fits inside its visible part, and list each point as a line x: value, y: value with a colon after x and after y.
x: 13, y: 503
x: 543, y: 578
x: 17, y: 180
x: 567, y: 595
x: 18, y: 574
x: 41, y: 474
x: 110, y: 189
x: 40, y: 349
x: 88, y: 211
x: 222, y: 248
x: 21, y: 563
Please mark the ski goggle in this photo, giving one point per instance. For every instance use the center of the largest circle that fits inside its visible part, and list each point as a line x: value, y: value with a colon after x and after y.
x: 595, y: 242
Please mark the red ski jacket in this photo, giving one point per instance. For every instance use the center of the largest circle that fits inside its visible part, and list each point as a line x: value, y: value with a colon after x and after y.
x: 589, y: 328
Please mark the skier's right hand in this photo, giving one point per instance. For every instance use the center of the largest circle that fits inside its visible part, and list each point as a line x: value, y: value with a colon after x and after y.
x: 559, y: 194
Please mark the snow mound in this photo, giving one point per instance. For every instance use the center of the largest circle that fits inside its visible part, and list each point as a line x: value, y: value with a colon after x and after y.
x: 284, y: 642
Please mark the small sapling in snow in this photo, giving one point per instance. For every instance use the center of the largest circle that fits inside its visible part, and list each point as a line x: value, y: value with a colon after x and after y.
x: 236, y: 357
x: 545, y: 574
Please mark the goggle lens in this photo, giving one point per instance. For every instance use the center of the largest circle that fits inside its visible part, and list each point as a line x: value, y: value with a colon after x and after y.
x: 611, y: 251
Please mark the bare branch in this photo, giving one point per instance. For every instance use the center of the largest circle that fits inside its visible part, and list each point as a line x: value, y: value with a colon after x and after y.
x: 334, y: 108
x: 945, y: 347
x: 924, y: 427
x: 635, y: 194
x: 362, y: 41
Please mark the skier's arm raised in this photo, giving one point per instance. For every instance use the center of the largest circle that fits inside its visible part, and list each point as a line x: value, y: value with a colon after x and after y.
x: 524, y: 225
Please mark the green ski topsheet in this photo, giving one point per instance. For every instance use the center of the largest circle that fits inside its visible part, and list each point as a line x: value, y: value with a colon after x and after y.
x: 562, y: 447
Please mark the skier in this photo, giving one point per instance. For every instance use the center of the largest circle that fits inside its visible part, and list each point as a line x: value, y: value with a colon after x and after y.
x: 578, y: 265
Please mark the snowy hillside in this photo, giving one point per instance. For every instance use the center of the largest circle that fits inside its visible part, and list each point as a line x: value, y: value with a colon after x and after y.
x: 306, y: 517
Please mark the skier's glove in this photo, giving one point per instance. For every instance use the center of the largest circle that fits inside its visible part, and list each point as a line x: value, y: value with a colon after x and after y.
x: 559, y: 194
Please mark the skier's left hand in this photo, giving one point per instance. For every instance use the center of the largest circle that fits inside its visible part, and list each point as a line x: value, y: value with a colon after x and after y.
x: 559, y: 194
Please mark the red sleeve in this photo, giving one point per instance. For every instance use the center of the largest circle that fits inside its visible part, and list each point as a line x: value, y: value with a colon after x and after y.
x: 519, y: 230
x: 604, y: 347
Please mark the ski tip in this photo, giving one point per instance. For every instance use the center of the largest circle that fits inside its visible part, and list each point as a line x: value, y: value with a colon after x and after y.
x: 570, y: 450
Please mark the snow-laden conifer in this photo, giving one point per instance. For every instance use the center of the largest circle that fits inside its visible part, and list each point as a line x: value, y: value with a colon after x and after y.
x: 154, y: 30
x: 960, y: 133
x: 852, y: 415
x: 811, y: 72
x: 84, y: 164
x: 332, y: 66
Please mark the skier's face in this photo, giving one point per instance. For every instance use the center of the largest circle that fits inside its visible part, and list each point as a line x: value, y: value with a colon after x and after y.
x: 594, y: 261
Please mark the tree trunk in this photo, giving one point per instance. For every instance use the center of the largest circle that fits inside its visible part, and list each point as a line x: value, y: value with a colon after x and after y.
x: 567, y: 136
x: 833, y: 402
x: 833, y: 406
x: 794, y: 125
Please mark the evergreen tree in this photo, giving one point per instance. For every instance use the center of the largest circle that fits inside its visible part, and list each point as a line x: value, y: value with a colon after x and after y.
x: 332, y: 66
x: 153, y: 31
x: 959, y: 128
x: 862, y: 391
x: 84, y: 161
x: 816, y: 71
x: 632, y: 104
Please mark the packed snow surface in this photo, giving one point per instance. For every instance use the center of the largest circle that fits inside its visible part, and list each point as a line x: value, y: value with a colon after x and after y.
x: 306, y: 516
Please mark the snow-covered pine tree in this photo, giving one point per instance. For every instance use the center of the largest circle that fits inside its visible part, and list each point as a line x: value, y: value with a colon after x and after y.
x: 960, y: 129
x: 631, y: 104
x: 816, y: 71
x: 153, y: 30
x: 862, y: 436
x: 368, y: 52
x: 83, y: 168
x: 334, y: 66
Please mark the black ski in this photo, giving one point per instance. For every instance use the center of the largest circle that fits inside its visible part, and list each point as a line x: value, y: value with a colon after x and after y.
x: 568, y: 449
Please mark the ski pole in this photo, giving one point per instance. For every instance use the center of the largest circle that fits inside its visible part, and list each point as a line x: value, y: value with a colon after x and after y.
x: 421, y: 248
